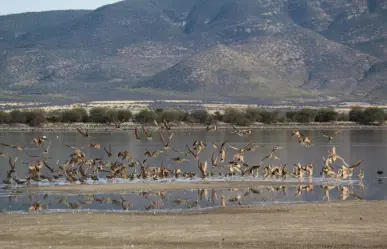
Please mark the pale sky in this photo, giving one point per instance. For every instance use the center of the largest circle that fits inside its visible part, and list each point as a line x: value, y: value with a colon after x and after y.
x: 19, y: 6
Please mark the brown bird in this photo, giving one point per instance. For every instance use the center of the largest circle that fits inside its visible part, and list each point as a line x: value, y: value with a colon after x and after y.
x: 85, y: 134
x: 17, y: 147
x: 297, y: 134
x: 222, y: 152
x: 117, y: 124
x: 203, y: 169
x: 166, y: 144
x: 179, y: 159
x: 147, y: 134
x: 136, y: 132
x: 211, y: 128
x: 3, y: 154
x: 214, y: 160
x: 125, y: 155
x: 272, y: 154
x: 39, y: 141
x: 97, y: 146
x: 166, y: 126
x: 108, y: 151
x: 46, y: 149
x: 192, y: 153
x: 331, y: 137
x: 306, y: 141
x: 154, y: 153
x: 12, y: 165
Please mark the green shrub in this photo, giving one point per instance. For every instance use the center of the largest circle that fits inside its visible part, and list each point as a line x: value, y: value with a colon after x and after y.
x: 306, y: 115
x: 373, y: 115
x: 124, y: 115
x: 199, y: 116
x: 4, y: 117
x: 145, y: 116
x: 326, y: 115
x: 98, y: 115
x: 356, y: 114
x: 17, y: 116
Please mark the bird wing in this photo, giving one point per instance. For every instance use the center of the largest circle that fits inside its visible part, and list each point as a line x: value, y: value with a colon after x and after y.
x: 178, y: 151
x: 144, y: 130
x: 246, y: 146
x: 266, y: 157
x: 191, y: 151
x: 214, y: 159
x: 11, y: 165
x: 324, y: 135
x: 7, y: 145
x: 166, y: 125
x: 72, y: 147
x: 107, y: 152
x: 232, y: 147
x: 356, y: 164
x: 170, y: 137
x: 136, y: 133
x: 337, y: 132
x: 81, y: 132
x: 48, y: 147
x: 162, y: 138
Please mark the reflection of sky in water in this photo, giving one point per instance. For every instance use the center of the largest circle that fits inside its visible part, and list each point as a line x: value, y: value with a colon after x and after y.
x: 368, y: 145
x: 21, y: 200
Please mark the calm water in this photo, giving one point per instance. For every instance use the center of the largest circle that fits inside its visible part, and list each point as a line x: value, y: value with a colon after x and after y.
x: 352, y: 145
x: 178, y: 200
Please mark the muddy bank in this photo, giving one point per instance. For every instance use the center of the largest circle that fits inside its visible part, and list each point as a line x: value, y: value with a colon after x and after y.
x: 338, y: 225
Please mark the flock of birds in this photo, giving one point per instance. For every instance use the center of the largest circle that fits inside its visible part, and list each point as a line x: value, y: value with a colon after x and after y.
x: 81, y: 168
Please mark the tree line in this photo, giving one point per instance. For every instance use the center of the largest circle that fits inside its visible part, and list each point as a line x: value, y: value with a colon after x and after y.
x: 372, y: 115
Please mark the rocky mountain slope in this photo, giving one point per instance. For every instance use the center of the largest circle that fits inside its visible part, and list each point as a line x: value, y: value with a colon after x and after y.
x: 270, y: 49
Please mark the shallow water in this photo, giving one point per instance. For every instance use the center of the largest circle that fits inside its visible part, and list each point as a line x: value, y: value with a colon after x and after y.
x: 190, y: 199
x: 352, y: 145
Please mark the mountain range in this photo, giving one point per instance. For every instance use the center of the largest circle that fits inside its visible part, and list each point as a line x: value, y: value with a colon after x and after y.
x: 209, y: 49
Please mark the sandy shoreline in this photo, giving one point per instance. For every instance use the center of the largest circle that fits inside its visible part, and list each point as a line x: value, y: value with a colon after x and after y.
x: 348, y: 224
x: 64, y: 127
x: 151, y: 186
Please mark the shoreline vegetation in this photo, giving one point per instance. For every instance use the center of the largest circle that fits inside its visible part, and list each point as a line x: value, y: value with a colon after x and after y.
x: 108, y: 119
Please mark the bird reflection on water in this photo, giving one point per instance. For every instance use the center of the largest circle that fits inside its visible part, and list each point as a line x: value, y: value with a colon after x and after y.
x: 81, y: 168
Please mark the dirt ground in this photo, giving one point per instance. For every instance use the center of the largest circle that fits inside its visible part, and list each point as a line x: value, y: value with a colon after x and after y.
x: 134, y: 186
x: 349, y: 224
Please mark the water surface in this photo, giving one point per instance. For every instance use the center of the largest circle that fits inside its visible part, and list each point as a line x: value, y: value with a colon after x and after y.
x: 367, y: 145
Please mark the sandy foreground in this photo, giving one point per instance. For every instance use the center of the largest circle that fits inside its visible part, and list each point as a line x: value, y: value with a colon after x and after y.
x: 349, y: 224
x: 135, y: 186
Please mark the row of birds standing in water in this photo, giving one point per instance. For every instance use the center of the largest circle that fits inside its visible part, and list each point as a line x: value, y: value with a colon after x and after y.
x: 80, y: 167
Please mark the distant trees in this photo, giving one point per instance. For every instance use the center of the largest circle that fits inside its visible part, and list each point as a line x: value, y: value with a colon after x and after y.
x: 71, y: 116
x: 371, y: 115
x: 199, y: 116
x: 236, y: 117
x: 326, y: 115
x: 145, y: 116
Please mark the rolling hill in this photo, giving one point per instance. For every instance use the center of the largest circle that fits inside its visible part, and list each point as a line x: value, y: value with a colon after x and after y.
x: 278, y: 49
